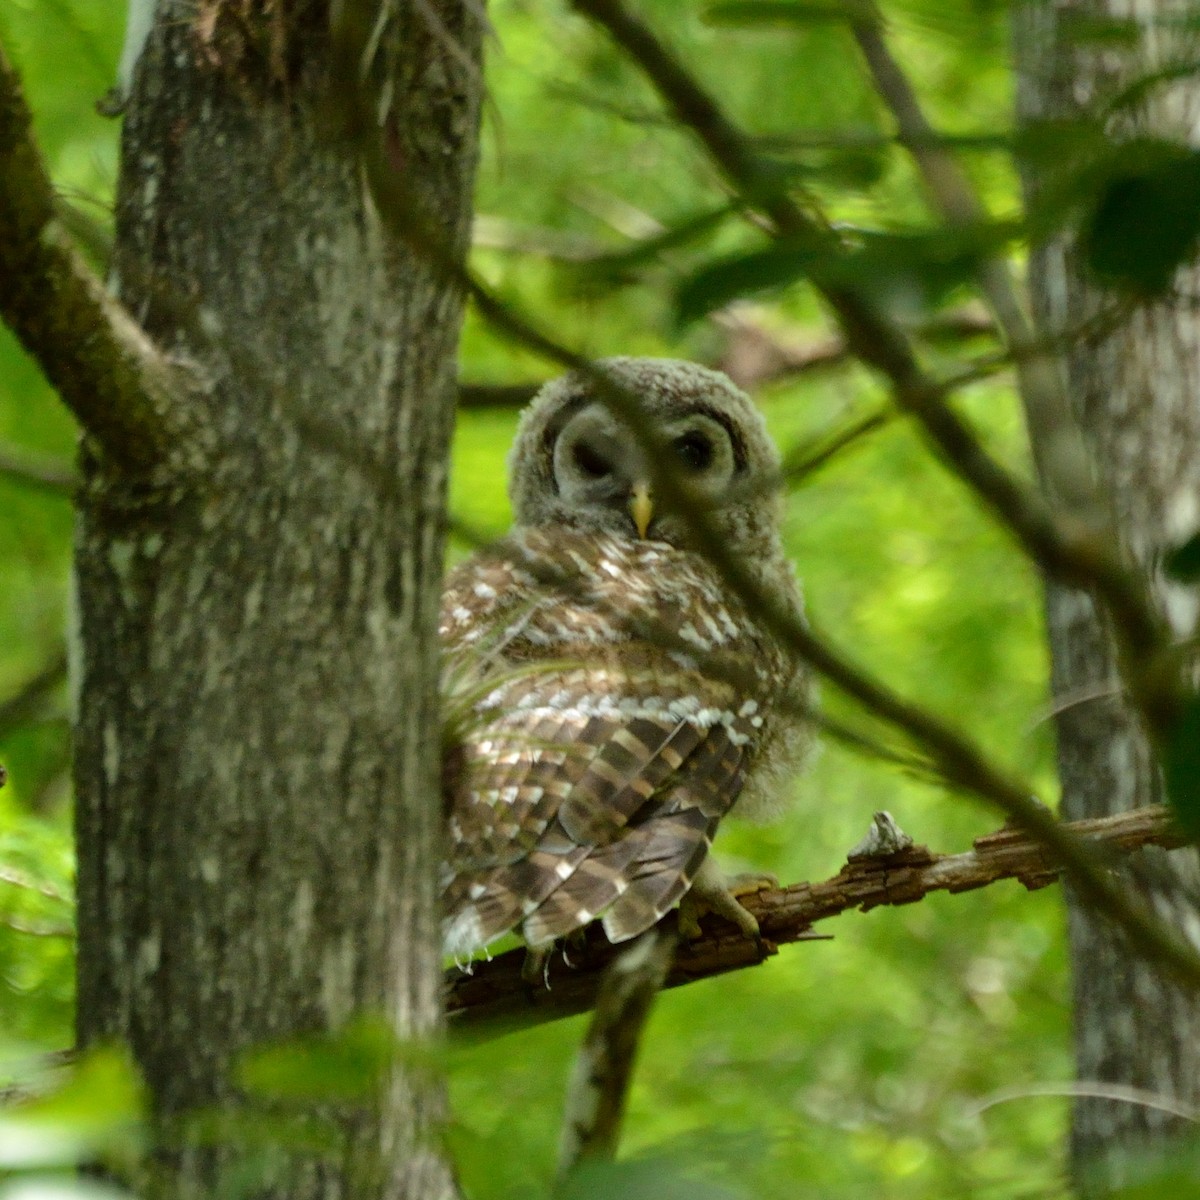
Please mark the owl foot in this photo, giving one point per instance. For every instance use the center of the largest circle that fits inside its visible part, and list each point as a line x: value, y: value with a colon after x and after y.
x: 713, y: 892
x: 574, y: 942
x: 535, y: 970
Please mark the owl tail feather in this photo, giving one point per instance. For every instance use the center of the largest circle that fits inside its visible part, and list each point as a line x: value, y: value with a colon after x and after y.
x: 667, y: 848
x: 656, y: 889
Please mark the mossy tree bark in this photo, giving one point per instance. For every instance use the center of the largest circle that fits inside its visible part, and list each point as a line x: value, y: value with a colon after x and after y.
x: 257, y: 734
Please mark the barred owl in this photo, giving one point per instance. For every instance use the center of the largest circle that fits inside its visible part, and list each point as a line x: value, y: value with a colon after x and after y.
x: 615, y: 697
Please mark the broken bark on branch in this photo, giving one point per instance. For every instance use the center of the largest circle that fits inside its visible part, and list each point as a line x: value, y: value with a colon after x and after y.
x: 883, y: 870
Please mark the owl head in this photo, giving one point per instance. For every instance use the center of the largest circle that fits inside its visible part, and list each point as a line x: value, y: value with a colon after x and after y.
x: 575, y: 463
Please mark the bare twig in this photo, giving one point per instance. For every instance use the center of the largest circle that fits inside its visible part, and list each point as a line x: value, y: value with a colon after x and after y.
x: 37, y: 471
x: 497, y: 395
x: 37, y: 928
x: 29, y: 698
x: 807, y: 459
x: 1100, y: 1089
x: 754, y: 357
x: 604, y: 1064
x: 1055, y: 437
x: 19, y: 879
x: 1071, y: 553
x: 494, y: 996
x: 125, y: 393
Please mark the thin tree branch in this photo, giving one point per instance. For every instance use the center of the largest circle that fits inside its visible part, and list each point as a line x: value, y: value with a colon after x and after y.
x: 494, y: 997
x: 132, y: 401
x: 1056, y: 441
x: 37, y: 471
x: 599, y: 1081
x: 1071, y: 553
x: 31, y: 695
x: 753, y: 357
x: 756, y: 357
x: 1100, y: 1089
x: 497, y: 395
x: 807, y: 459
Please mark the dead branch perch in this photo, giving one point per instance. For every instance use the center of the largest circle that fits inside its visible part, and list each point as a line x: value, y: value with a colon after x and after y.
x: 494, y: 997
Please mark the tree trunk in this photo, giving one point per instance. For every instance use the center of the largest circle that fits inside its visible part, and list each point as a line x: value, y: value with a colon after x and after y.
x: 257, y: 741
x: 1135, y: 388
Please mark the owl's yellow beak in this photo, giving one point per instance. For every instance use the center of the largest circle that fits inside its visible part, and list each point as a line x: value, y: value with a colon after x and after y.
x: 641, y: 507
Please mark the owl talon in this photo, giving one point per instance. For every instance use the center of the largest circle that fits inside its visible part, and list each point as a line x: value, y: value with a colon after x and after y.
x: 535, y: 970
x: 575, y: 941
x: 751, y: 882
x: 713, y: 893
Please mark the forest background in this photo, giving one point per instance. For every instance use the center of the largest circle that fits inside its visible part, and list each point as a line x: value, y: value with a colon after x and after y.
x: 911, y: 1056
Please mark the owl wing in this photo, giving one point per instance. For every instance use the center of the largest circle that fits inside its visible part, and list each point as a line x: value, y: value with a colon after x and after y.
x: 614, y: 821
x: 637, y: 876
x: 586, y: 790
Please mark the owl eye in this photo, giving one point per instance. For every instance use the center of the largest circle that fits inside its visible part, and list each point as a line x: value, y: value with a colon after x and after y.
x: 694, y: 450
x: 590, y: 461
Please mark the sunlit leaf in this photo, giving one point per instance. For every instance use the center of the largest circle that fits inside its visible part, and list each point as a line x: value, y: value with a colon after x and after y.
x: 60, y: 1187
x: 96, y: 1111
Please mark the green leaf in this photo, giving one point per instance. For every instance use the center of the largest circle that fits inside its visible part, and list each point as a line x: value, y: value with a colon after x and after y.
x: 96, y: 1112
x: 1181, y: 767
x: 1145, y: 221
x: 721, y: 282
x: 1183, y: 562
x: 905, y: 271
x: 350, y: 1065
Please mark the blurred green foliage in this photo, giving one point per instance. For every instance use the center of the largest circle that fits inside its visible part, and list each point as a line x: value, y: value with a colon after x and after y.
x: 849, y: 1068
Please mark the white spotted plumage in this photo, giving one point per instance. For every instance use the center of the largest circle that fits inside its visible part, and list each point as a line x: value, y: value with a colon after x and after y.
x: 618, y: 698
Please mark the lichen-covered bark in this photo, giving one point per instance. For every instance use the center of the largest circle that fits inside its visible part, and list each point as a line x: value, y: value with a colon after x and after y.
x: 257, y: 738
x: 1135, y: 389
